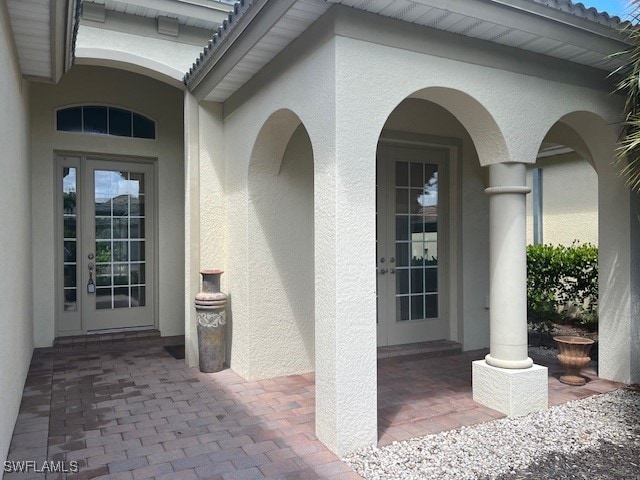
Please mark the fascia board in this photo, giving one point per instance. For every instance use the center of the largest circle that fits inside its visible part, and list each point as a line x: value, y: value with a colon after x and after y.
x: 188, y: 9
x: 148, y: 27
x: 58, y: 21
x: 254, y: 25
x: 535, y: 19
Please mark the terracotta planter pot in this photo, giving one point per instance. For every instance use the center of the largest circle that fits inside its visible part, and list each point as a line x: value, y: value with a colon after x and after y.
x: 573, y: 356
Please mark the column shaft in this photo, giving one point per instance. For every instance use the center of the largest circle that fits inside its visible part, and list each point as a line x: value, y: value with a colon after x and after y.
x: 508, y: 266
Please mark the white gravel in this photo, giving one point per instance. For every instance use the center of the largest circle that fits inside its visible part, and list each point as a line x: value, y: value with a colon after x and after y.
x: 538, y: 444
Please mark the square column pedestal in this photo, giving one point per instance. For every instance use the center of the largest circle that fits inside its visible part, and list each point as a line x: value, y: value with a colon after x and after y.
x: 513, y: 392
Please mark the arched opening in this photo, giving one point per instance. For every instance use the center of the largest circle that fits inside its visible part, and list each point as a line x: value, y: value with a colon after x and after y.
x: 562, y: 241
x: 445, y: 136
x: 281, y: 248
x: 432, y: 256
x: 556, y: 214
x: 592, y: 206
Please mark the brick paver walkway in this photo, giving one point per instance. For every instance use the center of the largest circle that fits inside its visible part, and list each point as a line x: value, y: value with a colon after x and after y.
x: 128, y: 410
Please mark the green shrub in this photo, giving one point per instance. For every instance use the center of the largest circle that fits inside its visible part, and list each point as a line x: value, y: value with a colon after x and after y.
x: 562, y: 285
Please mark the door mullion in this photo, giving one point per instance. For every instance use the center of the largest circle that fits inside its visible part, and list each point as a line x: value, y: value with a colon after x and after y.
x: 390, y: 237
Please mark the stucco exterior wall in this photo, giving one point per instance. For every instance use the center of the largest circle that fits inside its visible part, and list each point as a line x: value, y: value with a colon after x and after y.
x: 16, y: 324
x: 162, y: 103
x: 569, y: 201
x: 204, y: 216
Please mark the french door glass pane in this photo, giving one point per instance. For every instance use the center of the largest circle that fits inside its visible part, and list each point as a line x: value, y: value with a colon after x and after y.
x: 416, y: 219
x: 120, y: 235
x: 69, y: 221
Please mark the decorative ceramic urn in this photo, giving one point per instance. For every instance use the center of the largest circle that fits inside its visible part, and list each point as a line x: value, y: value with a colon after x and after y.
x: 574, y: 356
x: 212, y: 323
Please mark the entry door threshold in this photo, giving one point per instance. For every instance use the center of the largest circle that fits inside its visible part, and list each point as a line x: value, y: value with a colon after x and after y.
x: 96, y: 336
x: 434, y: 348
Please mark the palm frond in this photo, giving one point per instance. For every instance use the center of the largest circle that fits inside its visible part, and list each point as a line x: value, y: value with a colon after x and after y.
x: 628, y: 152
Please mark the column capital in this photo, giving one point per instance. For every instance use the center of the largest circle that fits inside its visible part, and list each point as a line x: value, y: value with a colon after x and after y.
x: 504, y: 176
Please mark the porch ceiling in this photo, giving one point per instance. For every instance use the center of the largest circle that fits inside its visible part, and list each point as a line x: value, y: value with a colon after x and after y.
x: 557, y: 28
x: 39, y: 28
x: 44, y: 30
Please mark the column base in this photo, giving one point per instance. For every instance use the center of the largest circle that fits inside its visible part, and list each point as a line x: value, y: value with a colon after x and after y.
x: 512, y: 392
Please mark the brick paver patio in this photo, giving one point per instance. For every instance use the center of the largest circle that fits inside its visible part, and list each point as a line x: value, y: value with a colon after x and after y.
x: 422, y: 396
x: 126, y: 409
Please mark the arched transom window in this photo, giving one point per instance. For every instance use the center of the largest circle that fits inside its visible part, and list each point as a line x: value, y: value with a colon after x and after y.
x: 104, y: 120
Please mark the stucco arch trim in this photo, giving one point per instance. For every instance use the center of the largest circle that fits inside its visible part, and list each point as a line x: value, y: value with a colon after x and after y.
x: 475, y: 117
x: 585, y: 132
x: 104, y: 57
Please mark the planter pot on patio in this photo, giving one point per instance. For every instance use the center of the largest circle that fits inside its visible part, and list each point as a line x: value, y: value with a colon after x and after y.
x: 212, y: 323
x: 573, y: 356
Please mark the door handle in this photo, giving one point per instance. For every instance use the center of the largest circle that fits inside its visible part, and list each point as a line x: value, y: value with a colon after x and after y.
x: 91, y: 286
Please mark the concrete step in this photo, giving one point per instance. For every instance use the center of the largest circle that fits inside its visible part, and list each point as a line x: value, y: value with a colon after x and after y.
x: 434, y: 348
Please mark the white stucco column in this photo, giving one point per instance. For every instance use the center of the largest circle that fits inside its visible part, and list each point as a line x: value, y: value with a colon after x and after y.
x: 345, y: 306
x: 507, y: 380
x: 191, y: 225
x: 508, y: 266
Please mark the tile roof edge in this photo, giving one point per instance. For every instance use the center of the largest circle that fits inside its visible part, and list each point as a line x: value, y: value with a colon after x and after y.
x: 219, y: 38
x: 588, y: 13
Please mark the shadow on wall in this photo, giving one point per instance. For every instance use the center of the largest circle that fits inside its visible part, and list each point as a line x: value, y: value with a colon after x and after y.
x: 281, y: 260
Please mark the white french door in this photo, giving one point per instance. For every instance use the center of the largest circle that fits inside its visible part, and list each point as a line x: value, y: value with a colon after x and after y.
x: 105, y: 244
x: 411, y: 248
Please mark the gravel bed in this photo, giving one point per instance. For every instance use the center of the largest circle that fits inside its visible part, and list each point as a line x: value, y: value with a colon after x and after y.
x: 544, y: 352
x: 593, y: 438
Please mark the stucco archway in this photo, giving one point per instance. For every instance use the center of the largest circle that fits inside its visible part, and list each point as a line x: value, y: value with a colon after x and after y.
x: 281, y: 247
x: 557, y: 214
x: 595, y: 139
x: 453, y: 121
x: 448, y: 123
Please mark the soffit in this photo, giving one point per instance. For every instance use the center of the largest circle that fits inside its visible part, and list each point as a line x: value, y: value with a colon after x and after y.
x: 565, y: 27
x: 295, y: 21
x: 32, y: 32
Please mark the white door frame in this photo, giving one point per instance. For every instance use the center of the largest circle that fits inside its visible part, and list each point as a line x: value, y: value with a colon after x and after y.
x: 71, y: 323
x: 452, y: 278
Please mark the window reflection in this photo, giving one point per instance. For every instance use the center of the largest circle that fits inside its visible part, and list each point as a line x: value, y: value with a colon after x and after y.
x: 69, y: 254
x: 119, y: 208
x: 416, y: 252
x: 98, y: 119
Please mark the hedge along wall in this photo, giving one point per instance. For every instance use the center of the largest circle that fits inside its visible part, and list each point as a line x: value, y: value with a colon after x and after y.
x: 562, y: 284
